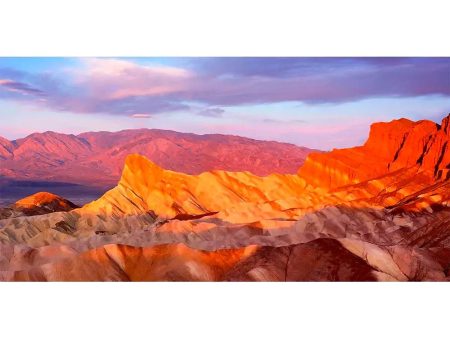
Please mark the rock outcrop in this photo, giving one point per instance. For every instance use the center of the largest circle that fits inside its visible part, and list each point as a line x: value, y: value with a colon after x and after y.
x: 144, y: 187
x: 397, y: 145
x: 37, y: 204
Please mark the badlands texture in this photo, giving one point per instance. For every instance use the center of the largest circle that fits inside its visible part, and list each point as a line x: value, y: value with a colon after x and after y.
x: 377, y: 212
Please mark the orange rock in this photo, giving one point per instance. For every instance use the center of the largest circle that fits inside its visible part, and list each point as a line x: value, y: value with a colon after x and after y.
x: 391, y: 146
x: 144, y: 186
x: 386, y: 218
x: 44, y: 201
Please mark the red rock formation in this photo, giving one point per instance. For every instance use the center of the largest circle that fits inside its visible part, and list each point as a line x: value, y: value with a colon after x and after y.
x: 37, y: 204
x: 144, y: 186
x: 391, y: 146
x: 385, y: 218
x: 45, y: 200
x: 323, y: 259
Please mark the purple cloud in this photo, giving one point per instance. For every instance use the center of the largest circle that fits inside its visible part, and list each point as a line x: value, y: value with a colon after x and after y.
x: 298, y: 66
x: 338, y: 82
x: 274, y: 121
x: 14, y: 87
x: 117, y: 86
x: 212, y: 112
x: 141, y: 116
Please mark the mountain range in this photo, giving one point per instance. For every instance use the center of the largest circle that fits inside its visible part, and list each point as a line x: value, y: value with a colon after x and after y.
x: 376, y: 212
x: 96, y: 158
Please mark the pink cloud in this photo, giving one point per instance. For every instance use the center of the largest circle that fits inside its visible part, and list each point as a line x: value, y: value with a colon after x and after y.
x: 19, y: 87
x: 111, y: 79
x: 141, y: 116
x: 115, y: 86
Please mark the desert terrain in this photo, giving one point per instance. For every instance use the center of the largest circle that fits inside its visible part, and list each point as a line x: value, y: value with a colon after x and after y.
x: 376, y: 212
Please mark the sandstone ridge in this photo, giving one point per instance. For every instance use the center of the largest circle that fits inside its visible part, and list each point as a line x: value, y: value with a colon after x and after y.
x: 391, y: 146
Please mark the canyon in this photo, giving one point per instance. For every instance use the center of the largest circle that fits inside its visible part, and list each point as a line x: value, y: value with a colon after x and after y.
x: 376, y: 212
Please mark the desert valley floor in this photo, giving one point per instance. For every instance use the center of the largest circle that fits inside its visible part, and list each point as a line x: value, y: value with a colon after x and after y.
x: 377, y: 212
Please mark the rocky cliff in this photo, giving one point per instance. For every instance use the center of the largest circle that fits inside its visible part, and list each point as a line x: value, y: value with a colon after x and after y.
x: 391, y: 146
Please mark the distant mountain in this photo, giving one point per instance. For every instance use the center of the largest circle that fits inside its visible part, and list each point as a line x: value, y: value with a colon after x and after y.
x: 96, y: 158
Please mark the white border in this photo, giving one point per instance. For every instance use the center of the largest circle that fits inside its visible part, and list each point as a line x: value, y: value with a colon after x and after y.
x: 224, y: 309
x: 226, y: 28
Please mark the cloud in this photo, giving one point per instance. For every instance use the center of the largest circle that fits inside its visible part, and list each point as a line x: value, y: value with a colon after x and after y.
x: 19, y: 87
x: 103, y: 86
x: 274, y: 121
x: 284, y: 67
x: 119, y: 79
x: 337, y: 83
x: 141, y: 116
x: 115, y: 86
x: 212, y: 112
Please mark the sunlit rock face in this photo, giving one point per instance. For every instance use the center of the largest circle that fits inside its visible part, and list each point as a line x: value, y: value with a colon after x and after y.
x: 146, y: 187
x: 391, y: 146
x: 378, y: 212
x: 37, y: 204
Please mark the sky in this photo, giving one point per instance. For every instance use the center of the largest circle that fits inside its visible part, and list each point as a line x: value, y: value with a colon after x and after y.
x: 321, y: 103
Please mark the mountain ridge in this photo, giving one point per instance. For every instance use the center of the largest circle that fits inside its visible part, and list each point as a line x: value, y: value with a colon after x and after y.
x: 97, y: 157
